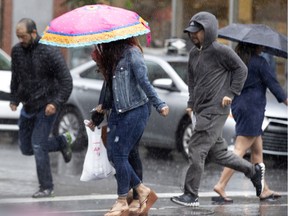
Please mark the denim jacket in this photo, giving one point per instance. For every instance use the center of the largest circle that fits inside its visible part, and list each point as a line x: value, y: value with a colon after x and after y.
x: 131, y: 87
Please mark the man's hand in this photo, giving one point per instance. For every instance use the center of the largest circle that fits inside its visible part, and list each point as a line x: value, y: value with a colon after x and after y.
x: 189, y: 111
x: 164, y: 111
x: 13, y: 107
x: 226, y: 101
x: 50, y: 109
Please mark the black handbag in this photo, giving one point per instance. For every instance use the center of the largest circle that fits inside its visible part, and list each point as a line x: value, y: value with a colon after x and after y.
x: 105, y: 100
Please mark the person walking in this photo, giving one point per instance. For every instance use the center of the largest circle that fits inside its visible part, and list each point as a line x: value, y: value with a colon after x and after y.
x: 41, y: 81
x: 130, y: 95
x: 215, y: 74
x: 248, y: 111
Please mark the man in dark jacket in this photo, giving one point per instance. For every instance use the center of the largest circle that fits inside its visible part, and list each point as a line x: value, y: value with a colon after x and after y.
x: 42, y: 82
x: 216, y: 74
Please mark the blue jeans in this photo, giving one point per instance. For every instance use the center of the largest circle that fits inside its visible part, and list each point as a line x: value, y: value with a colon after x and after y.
x: 34, y: 131
x: 124, y: 133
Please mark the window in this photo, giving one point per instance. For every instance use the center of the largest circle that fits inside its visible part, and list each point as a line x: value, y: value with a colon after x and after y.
x: 155, y: 71
x: 4, y: 63
x: 91, y: 73
x: 181, y: 69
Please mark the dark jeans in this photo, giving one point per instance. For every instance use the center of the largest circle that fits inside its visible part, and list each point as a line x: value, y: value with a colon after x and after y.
x: 124, y: 133
x: 136, y: 163
x: 34, y: 131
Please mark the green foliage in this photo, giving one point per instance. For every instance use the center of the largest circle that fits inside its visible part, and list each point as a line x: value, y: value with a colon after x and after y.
x: 129, y: 4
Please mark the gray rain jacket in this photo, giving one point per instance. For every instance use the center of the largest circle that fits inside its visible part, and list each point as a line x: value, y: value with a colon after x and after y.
x: 214, y: 71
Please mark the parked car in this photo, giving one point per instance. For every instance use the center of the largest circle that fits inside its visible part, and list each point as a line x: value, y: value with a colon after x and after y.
x: 167, y: 73
x: 274, y: 128
x: 8, y: 119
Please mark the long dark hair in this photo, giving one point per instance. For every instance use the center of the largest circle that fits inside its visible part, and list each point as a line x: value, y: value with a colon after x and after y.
x: 109, y: 54
x: 246, y: 51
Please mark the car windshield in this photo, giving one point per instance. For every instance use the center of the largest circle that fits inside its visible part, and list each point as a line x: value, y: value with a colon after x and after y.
x: 181, y: 69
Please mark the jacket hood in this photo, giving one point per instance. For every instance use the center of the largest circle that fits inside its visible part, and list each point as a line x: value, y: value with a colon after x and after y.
x: 210, y: 25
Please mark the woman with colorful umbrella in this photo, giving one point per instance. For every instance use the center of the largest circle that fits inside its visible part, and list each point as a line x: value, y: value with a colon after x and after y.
x: 248, y: 111
x: 119, y: 57
x: 123, y: 67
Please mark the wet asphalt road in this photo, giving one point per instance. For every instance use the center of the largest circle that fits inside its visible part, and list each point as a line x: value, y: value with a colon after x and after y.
x: 165, y: 175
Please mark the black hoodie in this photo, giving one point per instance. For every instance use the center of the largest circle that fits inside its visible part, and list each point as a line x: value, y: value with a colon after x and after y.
x: 214, y: 71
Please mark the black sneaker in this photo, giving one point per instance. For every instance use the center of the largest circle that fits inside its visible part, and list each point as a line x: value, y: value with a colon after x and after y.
x: 43, y: 193
x: 67, y: 151
x: 258, y: 178
x: 186, y: 200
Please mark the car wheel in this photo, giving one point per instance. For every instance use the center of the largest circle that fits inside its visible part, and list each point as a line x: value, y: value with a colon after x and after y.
x: 70, y: 119
x: 184, y: 135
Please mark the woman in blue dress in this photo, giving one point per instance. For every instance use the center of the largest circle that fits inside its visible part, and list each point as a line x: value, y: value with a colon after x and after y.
x: 248, y: 111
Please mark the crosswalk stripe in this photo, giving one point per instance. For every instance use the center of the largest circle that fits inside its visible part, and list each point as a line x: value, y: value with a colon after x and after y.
x: 113, y: 196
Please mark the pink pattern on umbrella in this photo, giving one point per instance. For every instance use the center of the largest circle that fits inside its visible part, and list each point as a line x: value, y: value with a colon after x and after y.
x: 94, y: 24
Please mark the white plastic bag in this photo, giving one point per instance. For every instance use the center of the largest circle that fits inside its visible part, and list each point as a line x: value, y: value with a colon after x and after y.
x: 96, y: 164
x: 193, y: 120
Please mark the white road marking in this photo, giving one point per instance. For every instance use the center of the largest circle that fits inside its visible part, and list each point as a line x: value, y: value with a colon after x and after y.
x: 113, y: 196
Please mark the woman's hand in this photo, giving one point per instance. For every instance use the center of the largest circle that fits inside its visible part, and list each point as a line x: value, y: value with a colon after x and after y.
x: 164, y: 111
x: 90, y: 124
x: 99, y: 109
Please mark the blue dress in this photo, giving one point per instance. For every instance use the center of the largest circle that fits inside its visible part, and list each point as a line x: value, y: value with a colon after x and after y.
x: 249, y: 107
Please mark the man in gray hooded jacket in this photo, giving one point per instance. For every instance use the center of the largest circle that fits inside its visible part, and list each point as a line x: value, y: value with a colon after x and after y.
x: 216, y: 74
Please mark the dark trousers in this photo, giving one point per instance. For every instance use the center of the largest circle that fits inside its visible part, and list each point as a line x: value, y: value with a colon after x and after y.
x: 207, y: 138
x: 33, y: 136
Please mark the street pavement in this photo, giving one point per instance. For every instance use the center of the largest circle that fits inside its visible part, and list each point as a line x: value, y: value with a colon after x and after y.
x: 18, y: 182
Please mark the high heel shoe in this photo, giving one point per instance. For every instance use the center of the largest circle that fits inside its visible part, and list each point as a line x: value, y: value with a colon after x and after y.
x: 147, y: 203
x: 120, y: 208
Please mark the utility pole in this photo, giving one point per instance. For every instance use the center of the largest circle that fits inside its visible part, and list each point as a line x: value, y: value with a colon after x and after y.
x: 233, y: 14
x: 176, y: 21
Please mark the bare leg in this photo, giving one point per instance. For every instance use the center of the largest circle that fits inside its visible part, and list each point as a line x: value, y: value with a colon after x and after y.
x: 257, y: 157
x: 242, y: 144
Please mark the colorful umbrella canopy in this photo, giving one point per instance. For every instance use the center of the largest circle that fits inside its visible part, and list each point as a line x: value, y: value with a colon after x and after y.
x: 94, y: 24
x: 273, y: 42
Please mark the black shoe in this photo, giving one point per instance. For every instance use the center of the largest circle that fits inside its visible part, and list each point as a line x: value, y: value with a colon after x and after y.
x: 186, y: 200
x: 67, y: 151
x: 258, y: 178
x: 43, y: 193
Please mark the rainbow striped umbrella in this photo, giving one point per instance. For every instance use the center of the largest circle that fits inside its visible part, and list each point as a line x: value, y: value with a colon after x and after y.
x: 94, y: 24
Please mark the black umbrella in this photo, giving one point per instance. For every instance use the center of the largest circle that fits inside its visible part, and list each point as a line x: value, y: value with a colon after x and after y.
x: 274, y: 43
